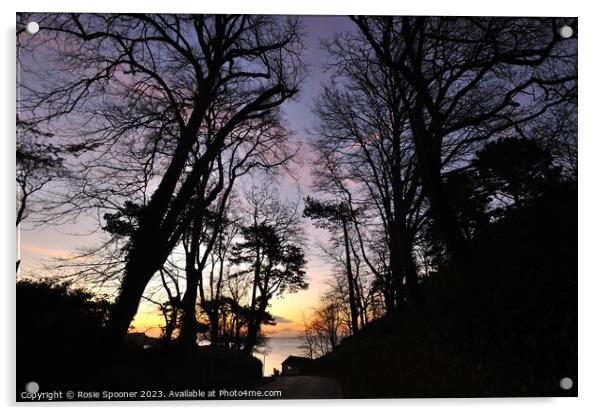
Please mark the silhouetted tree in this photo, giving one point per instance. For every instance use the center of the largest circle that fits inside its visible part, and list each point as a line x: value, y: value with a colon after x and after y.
x: 466, y: 80
x: 271, y: 252
x: 367, y: 157
x: 181, y: 99
x: 470, y: 204
x: 38, y: 163
x: 206, y: 244
x: 515, y: 168
x: 214, y: 298
x: 277, y: 266
x: 333, y: 216
x: 326, y: 326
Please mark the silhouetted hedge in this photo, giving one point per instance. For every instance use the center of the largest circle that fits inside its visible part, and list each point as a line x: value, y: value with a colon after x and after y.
x: 61, y: 346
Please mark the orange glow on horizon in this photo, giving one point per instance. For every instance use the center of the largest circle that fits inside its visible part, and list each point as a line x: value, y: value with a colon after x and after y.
x: 289, y: 312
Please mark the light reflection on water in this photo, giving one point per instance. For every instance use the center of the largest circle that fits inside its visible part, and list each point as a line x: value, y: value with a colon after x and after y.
x: 278, y: 349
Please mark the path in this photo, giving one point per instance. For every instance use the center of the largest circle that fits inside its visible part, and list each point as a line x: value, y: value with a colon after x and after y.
x: 302, y: 387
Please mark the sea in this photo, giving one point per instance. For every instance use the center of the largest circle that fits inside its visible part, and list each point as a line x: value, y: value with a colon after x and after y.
x: 279, y: 348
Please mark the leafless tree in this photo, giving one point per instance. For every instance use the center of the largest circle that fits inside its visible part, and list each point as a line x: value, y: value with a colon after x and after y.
x: 166, y: 107
x: 366, y: 157
x: 326, y: 327
x: 466, y: 80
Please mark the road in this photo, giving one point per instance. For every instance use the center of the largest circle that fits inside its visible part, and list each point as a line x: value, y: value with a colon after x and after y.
x: 303, y: 387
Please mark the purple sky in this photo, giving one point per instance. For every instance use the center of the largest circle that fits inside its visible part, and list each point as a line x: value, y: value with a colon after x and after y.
x: 316, y: 28
x: 40, y: 245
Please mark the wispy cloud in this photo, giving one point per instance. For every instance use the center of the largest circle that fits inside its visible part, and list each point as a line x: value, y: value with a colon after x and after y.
x: 49, y: 252
x: 283, y: 320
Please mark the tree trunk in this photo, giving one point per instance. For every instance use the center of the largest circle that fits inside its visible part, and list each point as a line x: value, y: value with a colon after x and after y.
x: 402, y: 260
x: 147, y: 254
x: 136, y: 276
x: 252, y: 326
x: 388, y: 297
x: 237, y: 334
x: 171, y: 325
x: 411, y: 275
x: 188, y: 328
x: 255, y: 328
x: 352, y: 301
x: 445, y: 220
x: 396, y: 270
x: 214, y: 323
x: 440, y: 209
x: 251, y: 341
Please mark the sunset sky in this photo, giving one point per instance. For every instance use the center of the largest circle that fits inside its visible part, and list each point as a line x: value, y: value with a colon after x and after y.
x: 38, y: 247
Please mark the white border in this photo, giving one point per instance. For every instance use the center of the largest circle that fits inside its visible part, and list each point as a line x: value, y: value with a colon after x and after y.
x: 590, y: 157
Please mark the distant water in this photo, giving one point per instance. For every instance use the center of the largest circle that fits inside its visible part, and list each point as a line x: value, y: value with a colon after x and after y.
x: 278, y: 349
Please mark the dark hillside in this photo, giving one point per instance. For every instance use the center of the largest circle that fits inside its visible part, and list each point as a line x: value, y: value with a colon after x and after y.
x: 509, y: 329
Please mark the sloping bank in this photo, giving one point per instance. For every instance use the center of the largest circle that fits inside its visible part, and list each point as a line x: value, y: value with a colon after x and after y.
x: 507, y: 329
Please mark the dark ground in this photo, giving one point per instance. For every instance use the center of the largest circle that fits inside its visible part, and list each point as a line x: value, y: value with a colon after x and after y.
x: 303, y: 387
